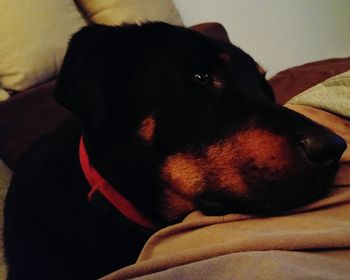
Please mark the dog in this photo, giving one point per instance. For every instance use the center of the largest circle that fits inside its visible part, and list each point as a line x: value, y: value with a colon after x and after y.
x: 165, y: 121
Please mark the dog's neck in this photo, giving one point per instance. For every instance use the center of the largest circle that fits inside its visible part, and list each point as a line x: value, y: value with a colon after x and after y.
x: 99, y: 184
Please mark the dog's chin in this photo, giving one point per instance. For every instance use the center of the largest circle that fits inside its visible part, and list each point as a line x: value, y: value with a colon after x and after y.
x: 267, y: 199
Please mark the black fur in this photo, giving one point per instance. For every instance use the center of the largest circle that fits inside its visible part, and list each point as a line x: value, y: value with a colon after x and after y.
x: 112, y: 78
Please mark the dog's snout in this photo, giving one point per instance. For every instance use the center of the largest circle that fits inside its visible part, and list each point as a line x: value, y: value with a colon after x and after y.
x: 325, y: 148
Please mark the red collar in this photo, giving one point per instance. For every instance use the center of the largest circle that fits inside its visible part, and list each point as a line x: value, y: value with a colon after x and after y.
x: 98, y: 183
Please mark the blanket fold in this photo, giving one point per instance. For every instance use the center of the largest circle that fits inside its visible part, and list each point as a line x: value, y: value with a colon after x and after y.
x: 319, y: 227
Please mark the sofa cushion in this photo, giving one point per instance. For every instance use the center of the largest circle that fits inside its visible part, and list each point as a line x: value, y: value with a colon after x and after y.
x: 114, y: 12
x: 292, y: 81
x: 34, y: 36
x: 25, y: 117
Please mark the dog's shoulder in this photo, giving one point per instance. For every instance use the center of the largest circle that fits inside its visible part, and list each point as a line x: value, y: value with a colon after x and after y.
x: 46, y: 170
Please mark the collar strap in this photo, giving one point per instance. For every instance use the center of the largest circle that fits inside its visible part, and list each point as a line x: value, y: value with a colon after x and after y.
x: 98, y: 183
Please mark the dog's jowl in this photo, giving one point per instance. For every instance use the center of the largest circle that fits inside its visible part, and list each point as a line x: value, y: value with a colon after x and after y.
x: 164, y: 121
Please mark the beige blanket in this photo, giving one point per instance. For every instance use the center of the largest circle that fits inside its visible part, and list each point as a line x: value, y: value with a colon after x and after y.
x: 312, y: 242
x: 309, y: 241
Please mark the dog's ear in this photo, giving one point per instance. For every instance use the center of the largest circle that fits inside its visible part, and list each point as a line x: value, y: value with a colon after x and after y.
x: 80, y: 84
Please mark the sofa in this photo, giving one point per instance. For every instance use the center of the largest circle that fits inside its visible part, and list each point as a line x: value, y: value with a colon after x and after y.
x: 29, y: 111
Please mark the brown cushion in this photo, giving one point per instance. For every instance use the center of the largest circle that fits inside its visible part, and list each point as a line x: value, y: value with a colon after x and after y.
x: 25, y: 117
x: 293, y: 81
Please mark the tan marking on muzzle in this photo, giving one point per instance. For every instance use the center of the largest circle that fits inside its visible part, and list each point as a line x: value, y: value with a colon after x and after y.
x: 147, y: 129
x: 185, y: 177
x: 222, y: 163
x: 265, y: 149
x: 185, y: 173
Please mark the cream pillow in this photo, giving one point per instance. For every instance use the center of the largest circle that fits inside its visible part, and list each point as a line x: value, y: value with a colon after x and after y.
x: 114, y: 12
x: 3, y: 96
x: 332, y: 95
x: 34, y: 36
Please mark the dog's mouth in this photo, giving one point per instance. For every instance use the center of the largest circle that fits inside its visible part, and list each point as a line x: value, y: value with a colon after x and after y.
x: 256, y: 172
x: 270, y: 192
x: 268, y: 198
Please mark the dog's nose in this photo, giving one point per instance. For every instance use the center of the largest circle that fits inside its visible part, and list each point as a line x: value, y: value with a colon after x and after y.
x: 324, y: 149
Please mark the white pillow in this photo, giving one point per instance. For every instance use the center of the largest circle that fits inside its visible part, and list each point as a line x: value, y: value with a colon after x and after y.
x: 114, y: 12
x: 33, y: 39
x: 332, y: 95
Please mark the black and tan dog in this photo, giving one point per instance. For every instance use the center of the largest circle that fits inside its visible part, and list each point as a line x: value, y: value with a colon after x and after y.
x: 169, y: 121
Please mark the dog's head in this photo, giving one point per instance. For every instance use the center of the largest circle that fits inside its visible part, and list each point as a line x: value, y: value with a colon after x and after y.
x: 178, y: 121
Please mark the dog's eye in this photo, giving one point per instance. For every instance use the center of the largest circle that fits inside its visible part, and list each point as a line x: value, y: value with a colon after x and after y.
x: 202, y: 79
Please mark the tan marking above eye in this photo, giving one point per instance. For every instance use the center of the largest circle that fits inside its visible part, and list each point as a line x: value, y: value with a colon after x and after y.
x: 147, y: 129
x: 217, y: 83
x: 225, y: 57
